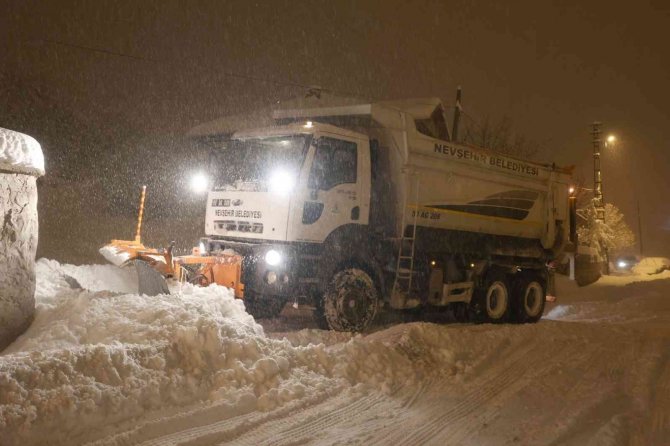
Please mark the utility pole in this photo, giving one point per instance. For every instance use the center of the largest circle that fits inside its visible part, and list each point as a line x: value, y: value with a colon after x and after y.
x: 598, y: 201
x: 457, y: 116
x: 597, y: 175
x: 639, y: 227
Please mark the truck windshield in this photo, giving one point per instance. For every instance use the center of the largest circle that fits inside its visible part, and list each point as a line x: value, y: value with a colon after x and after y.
x: 251, y: 163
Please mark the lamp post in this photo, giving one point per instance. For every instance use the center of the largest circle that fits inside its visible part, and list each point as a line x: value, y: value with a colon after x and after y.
x: 599, y: 202
x: 597, y: 174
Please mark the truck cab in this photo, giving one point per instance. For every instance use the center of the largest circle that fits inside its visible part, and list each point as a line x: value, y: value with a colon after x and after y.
x: 278, y: 195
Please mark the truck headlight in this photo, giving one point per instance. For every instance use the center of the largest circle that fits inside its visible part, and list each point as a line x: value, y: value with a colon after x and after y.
x: 272, y: 257
x: 281, y: 182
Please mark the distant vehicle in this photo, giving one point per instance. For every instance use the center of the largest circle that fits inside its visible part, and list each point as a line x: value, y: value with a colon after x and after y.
x: 652, y: 265
x: 625, y: 263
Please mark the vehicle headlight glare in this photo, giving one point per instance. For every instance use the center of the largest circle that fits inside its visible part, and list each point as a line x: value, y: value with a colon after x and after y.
x: 281, y: 182
x: 199, y: 183
x: 272, y: 257
x: 622, y: 264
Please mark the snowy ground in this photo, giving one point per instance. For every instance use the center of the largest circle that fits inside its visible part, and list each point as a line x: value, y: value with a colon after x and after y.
x: 106, y: 366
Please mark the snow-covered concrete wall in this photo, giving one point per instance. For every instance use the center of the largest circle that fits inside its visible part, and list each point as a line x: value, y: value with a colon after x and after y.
x: 21, y: 162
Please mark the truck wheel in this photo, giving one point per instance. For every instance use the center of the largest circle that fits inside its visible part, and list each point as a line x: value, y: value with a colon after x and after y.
x: 492, y: 303
x: 528, y: 299
x: 263, y: 307
x: 351, y: 301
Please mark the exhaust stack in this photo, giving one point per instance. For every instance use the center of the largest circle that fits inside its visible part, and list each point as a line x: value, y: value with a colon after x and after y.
x: 457, y: 115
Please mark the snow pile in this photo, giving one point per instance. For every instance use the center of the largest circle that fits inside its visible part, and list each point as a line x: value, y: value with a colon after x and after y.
x: 101, y: 355
x: 92, y: 356
x: 610, y: 299
x: 652, y: 265
x: 20, y: 153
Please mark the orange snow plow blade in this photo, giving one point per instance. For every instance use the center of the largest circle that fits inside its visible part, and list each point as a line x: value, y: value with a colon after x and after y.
x: 155, y: 265
x: 222, y: 269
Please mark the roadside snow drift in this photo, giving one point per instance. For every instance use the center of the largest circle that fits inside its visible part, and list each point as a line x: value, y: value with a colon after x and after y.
x: 20, y: 163
x: 100, y: 355
x: 652, y: 265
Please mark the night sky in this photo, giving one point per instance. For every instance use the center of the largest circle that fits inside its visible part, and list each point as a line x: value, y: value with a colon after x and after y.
x: 153, y: 70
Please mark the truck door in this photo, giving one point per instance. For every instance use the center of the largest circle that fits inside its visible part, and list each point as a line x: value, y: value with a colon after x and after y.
x: 335, y: 188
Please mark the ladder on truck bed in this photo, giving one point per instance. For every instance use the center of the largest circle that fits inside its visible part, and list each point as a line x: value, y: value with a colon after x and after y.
x: 401, y: 294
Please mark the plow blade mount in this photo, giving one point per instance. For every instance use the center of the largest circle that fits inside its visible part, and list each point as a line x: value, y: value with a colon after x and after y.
x: 150, y: 281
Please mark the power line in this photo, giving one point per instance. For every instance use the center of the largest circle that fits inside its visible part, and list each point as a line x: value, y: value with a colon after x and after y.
x: 96, y: 50
x: 292, y: 84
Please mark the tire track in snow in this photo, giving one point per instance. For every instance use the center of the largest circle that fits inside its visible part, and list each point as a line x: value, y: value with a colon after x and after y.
x: 660, y: 410
x: 306, y: 425
x: 426, y: 425
x: 493, y: 408
x: 418, y: 393
x: 470, y: 403
x: 513, y: 382
x: 230, y: 429
x: 188, y: 427
x: 505, y: 382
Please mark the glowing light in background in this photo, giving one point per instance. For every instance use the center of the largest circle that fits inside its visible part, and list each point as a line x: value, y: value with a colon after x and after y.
x: 199, y: 183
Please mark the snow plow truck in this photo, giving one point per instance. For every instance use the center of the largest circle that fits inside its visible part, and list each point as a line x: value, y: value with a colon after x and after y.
x: 363, y: 205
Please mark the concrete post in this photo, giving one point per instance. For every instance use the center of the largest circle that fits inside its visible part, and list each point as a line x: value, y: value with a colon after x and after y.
x: 21, y: 162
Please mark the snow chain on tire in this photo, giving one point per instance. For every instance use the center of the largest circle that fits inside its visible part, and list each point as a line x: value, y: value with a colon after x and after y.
x: 351, y: 301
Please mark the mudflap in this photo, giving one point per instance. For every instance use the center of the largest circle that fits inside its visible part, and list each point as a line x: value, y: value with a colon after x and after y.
x: 150, y: 281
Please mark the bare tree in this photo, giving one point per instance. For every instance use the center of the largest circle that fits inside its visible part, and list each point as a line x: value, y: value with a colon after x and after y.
x: 499, y: 136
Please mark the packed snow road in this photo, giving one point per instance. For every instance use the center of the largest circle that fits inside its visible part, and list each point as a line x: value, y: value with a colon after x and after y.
x: 103, y: 366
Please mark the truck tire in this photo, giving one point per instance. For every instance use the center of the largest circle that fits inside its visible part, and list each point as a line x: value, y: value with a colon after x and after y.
x: 492, y: 302
x: 350, y: 302
x: 263, y: 307
x: 528, y: 298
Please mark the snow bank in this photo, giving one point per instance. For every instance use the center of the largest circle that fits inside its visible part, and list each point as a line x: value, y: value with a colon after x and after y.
x: 20, y: 153
x: 101, y: 355
x: 610, y: 298
x: 651, y: 265
x: 91, y: 356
